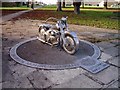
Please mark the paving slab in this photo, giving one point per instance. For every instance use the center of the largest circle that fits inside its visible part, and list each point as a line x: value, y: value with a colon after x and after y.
x: 6, y: 72
x: 13, y: 83
x: 8, y: 84
x: 8, y: 76
x: 115, y: 61
x: 114, y: 85
x: 39, y: 80
x: 105, y: 57
x: 0, y: 86
x: 0, y: 53
x: 102, y: 35
x: 21, y: 82
x: 105, y: 37
x: 0, y: 66
x: 21, y: 70
x: 113, y: 51
x: 79, y: 81
x: 106, y: 76
x: 61, y: 76
x: 48, y: 78
x: 105, y: 45
x: 24, y: 83
x: 13, y: 79
x: 18, y: 83
x: 116, y: 42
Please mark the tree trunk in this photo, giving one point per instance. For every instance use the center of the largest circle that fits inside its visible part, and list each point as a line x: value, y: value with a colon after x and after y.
x: 32, y: 5
x: 77, y: 6
x: 59, y: 8
x: 28, y: 3
x: 105, y: 4
x: 82, y: 3
x: 63, y: 3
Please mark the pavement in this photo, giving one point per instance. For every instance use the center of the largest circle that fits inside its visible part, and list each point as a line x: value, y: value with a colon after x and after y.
x: 15, y: 75
x: 10, y: 16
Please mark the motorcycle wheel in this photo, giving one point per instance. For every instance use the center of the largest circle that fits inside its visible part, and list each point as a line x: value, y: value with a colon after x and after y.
x: 70, y: 46
x: 41, y: 36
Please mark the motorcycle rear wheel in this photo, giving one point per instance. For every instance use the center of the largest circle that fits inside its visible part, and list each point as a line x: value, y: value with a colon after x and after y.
x: 70, y: 46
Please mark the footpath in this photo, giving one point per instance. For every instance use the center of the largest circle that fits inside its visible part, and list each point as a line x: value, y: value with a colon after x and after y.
x: 10, y: 16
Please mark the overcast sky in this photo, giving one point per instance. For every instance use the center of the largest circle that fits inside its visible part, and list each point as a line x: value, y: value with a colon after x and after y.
x: 54, y: 1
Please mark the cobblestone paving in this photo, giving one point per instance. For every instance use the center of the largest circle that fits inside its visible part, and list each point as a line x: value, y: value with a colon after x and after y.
x: 18, y: 76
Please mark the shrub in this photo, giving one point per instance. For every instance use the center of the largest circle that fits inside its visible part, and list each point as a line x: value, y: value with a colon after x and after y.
x: 8, y: 4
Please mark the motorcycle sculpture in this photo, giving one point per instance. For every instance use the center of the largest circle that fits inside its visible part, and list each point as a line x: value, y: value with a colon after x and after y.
x: 59, y: 35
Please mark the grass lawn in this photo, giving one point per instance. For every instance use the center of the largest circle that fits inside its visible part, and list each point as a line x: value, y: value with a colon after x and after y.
x: 15, y: 8
x: 71, y: 8
x: 100, y: 18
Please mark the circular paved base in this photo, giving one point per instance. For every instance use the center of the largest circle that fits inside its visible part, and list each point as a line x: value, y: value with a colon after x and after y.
x: 34, y: 53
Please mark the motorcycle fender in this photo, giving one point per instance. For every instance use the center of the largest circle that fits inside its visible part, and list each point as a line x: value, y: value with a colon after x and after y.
x: 73, y: 34
x: 75, y: 37
x: 41, y: 25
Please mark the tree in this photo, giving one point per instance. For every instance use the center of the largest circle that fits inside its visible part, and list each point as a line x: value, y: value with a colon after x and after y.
x: 82, y: 3
x: 105, y: 4
x: 18, y: 4
x: 32, y: 5
x: 77, y: 4
x: 63, y: 3
x: 59, y: 8
x: 28, y: 3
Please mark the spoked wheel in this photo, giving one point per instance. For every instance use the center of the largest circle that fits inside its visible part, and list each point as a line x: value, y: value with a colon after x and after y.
x: 41, y: 36
x: 70, y: 45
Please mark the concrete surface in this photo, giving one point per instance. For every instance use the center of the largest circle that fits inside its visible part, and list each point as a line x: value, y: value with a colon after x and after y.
x: 18, y: 76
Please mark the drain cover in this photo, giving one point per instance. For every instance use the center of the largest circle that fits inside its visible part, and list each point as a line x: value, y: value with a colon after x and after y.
x: 88, y: 62
x: 92, y: 65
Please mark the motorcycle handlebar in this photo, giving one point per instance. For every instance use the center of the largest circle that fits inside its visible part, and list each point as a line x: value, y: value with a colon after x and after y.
x: 51, y: 18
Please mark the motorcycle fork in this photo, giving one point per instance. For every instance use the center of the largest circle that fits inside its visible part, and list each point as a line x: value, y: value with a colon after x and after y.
x: 62, y: 38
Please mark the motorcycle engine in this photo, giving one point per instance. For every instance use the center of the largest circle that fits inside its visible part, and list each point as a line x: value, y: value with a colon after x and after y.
x: 51, y: 36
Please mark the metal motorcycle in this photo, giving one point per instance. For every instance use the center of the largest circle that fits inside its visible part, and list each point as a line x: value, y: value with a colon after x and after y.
x: 59, y: 35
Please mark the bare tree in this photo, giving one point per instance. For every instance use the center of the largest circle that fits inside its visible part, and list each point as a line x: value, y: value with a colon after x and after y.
x: 77, y: 4
x: 59, y: 8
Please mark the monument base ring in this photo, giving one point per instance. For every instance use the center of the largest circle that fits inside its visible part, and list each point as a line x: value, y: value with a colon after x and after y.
x: 36, y: 54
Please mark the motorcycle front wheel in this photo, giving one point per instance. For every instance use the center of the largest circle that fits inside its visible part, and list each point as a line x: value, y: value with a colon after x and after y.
x: 69, y: 46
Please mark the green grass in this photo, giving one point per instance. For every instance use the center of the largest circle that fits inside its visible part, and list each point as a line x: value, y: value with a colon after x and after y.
x: 70, y: 8
x: 96, y: 18
x: 90, y: 17
x: 15, y: 8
